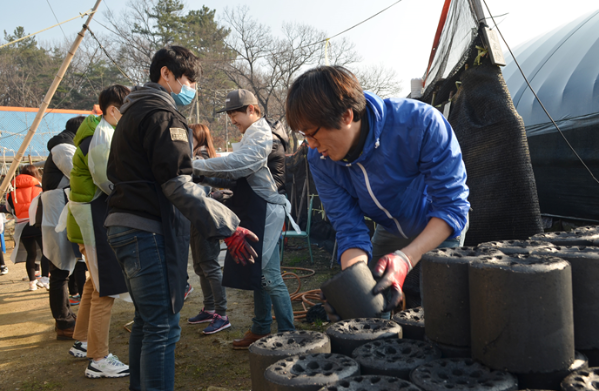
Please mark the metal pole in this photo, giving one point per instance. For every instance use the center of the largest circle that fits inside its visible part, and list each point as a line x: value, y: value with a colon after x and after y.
x: 478, y: 11
x: 46, y: 102
x: 226, y: 134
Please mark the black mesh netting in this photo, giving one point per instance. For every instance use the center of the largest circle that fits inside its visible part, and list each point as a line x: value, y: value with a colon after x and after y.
x: 502, y: 186
x: 451, y: 52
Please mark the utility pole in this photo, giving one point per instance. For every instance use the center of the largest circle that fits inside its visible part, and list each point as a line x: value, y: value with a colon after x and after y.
x: 46, y: 102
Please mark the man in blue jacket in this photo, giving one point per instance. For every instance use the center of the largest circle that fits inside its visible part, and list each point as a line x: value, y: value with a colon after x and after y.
x: 396, y: 161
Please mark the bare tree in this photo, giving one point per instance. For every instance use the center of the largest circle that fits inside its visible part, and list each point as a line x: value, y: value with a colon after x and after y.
x: 267, y: 64
x: 380, y: 80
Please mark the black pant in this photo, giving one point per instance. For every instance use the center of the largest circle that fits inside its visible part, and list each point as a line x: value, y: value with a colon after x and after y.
x: 30, y: 265
x: 77, y: 279
x: 59, y: 298
x: 2, y: 258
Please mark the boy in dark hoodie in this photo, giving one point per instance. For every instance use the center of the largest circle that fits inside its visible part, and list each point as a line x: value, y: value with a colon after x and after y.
x: 150, y: 210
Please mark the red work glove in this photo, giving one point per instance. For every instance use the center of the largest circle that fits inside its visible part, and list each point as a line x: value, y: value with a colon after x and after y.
x: 396, y: 267
x: 239, y: 248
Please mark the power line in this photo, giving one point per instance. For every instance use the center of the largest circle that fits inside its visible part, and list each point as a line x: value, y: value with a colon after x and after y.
x: 63, y: 33
x: 65, y: 37
x: 537, y: 97
x: 108, y: 55
x: 364, y: 21
x: 329, y: 38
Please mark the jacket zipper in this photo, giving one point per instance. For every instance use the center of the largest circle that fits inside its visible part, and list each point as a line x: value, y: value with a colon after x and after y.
x: 378, y: 204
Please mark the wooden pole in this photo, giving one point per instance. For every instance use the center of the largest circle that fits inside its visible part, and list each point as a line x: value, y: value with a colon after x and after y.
x: 46, y: 102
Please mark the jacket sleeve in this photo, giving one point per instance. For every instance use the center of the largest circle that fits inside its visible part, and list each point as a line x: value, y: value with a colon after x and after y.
x: 212, y: 219
x: 444, y: 172
x: 251, y: 157
x: 167, y: 145
x: 221, y: 183
x: 62, y: 155
x: 343, y: 211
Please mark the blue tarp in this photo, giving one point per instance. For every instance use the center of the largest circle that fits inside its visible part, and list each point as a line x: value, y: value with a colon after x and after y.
x: 563, y: 68
x: 15, y: 124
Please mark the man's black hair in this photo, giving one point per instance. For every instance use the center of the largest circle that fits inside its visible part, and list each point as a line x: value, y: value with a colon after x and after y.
x: 321, y: 96
x: 112, y: 96
x: 179, y: 60
x: 74, y: 123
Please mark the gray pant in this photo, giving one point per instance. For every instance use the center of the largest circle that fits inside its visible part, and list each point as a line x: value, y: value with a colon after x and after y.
x: 384, y: 242
x: 205, y: 264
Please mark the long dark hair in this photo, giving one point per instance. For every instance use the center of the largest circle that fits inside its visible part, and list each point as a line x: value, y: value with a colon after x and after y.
x: 31, y: 170
x: 202, y: 138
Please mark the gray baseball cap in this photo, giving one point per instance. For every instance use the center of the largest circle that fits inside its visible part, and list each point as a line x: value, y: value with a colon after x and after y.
x: 237, y: 99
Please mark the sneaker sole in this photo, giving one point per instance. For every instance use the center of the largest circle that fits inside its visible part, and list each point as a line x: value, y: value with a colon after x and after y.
x: 97, y: 376
x: 200, y: 322
x: 217, y: 330
x: 78, y: 355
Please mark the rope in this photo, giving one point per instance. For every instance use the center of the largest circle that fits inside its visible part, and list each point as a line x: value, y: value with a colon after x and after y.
x: 537, y: 97
x: 81, y: 15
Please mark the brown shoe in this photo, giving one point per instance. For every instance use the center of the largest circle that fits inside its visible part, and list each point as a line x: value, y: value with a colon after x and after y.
x: 64, y: 334
x: 248, y: 339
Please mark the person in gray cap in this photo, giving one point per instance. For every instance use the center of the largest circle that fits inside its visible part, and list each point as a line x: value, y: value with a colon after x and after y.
x: 258, y: 166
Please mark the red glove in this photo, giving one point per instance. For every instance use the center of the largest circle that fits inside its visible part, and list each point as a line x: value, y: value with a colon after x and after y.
x: 396, y: 267
x: 239, y: 248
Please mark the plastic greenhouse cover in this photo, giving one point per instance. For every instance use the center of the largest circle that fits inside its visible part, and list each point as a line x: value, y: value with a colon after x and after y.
x: 562, y: 67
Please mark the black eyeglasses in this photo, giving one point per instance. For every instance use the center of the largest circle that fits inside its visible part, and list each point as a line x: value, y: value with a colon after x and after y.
x: 309, y: 135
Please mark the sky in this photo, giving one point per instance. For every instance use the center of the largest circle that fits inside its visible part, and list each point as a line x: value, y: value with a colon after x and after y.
x: 400, y: 38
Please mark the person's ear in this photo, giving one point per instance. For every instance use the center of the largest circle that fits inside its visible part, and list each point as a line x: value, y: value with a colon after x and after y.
x: 165, y: 72
x: 348, y: 117
x: 250, y: 110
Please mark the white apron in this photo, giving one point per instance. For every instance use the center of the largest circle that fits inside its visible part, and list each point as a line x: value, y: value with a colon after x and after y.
x: 57, y: 247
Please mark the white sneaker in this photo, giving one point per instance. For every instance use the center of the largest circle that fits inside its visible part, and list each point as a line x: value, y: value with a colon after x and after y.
x: 44, y: 282
x: 110, y: 366
x: 33, y: 285
x: 79, y: 349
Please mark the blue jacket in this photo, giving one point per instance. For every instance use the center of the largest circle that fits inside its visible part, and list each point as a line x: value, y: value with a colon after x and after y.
x: 410, y: 170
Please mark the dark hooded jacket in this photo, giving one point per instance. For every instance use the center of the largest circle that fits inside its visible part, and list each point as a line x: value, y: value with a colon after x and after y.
x: 150, y: 167
x: 149, y: 144
x: 52, y: 174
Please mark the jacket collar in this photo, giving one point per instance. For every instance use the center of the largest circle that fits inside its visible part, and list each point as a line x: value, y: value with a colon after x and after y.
x: 375, y: 115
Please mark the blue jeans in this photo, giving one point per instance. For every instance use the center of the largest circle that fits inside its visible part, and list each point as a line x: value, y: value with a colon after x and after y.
x: 273, y: 293
x: 155, y: 329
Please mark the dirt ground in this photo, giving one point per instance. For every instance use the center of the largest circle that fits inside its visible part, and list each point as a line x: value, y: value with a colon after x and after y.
x: 31, y: 358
